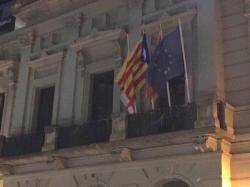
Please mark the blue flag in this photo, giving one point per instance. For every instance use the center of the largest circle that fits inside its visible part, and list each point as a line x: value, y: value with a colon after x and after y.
x: 167, y: 62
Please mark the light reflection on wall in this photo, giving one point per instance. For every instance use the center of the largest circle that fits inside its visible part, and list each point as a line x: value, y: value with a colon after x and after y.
x: 226, y: 171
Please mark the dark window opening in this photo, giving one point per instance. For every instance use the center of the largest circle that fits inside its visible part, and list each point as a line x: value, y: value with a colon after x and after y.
x: 177, y: 93
x: 44, y: 108
x: 2, y: 100
x: 1, y: 14
x: 102, y: 96
x: 221, y: 114
x: 176, y: 183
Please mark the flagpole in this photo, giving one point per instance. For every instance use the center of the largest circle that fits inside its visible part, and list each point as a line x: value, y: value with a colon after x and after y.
x: 152, y: 104
x: 169, y: 96
x: 128, y: 45
x: 167, y: 83
x: 184, y: 60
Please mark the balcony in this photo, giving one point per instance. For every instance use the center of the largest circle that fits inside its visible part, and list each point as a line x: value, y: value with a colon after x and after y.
x: 138, y: 125
x: 92, y: 132
x: 161, y: 121
x: 21, y: 145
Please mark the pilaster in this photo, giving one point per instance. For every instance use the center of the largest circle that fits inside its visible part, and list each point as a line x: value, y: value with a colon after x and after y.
x: 22, y: 84
x: 209, y: 87
x: 10, y: 97
x: 68, y: 82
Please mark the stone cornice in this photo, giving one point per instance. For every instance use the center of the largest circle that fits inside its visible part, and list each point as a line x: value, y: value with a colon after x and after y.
x: 49, y: 59
x: 6, y: 64
x: 118, y: 164
x: 169, y: 144
x: 99, y: 37
x: 171, y: 20
x: 89, y: 9
x: 9, y: 70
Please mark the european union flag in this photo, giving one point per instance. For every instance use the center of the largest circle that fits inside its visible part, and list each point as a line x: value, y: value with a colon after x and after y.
x: 167, y: 62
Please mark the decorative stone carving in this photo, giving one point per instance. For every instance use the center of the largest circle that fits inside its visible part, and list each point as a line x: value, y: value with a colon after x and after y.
x: 125, y: 154
x: 207, y: 111
x: 58, y: 162
x: 27, y: 39
x: 82, y: 59
x: 12, y: 75
x: 6, y: 169
x: 200, y: 144
x: 73, y: 21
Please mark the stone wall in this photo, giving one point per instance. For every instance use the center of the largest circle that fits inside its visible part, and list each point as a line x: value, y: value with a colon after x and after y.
x: 195, y: 170
x: 236, y: 52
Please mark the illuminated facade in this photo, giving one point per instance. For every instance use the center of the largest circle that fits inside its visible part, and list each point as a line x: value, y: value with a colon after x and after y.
x: 62, y: 123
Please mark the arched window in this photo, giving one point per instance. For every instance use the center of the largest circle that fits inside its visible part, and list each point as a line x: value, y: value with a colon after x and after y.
x: 172, y: 183
x: 176, y: 184
x: 97, y: 185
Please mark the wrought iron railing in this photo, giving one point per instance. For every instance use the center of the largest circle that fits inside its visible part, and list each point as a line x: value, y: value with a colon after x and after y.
x: 91, y: 132
x: 161, y: 121
x: 141, y: 124
x: 23, y: 144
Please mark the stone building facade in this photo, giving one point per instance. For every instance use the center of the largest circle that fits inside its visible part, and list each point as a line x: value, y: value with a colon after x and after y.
x: 67, y: 49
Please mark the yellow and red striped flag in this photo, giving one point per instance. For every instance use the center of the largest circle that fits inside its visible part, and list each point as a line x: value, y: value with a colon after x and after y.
x: 132, y: 77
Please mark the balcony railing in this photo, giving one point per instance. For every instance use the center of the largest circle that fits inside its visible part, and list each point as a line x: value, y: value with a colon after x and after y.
x: 142, y: 124
x: 161, y: 121
x: 23, y: 144
x: 92, y: 132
